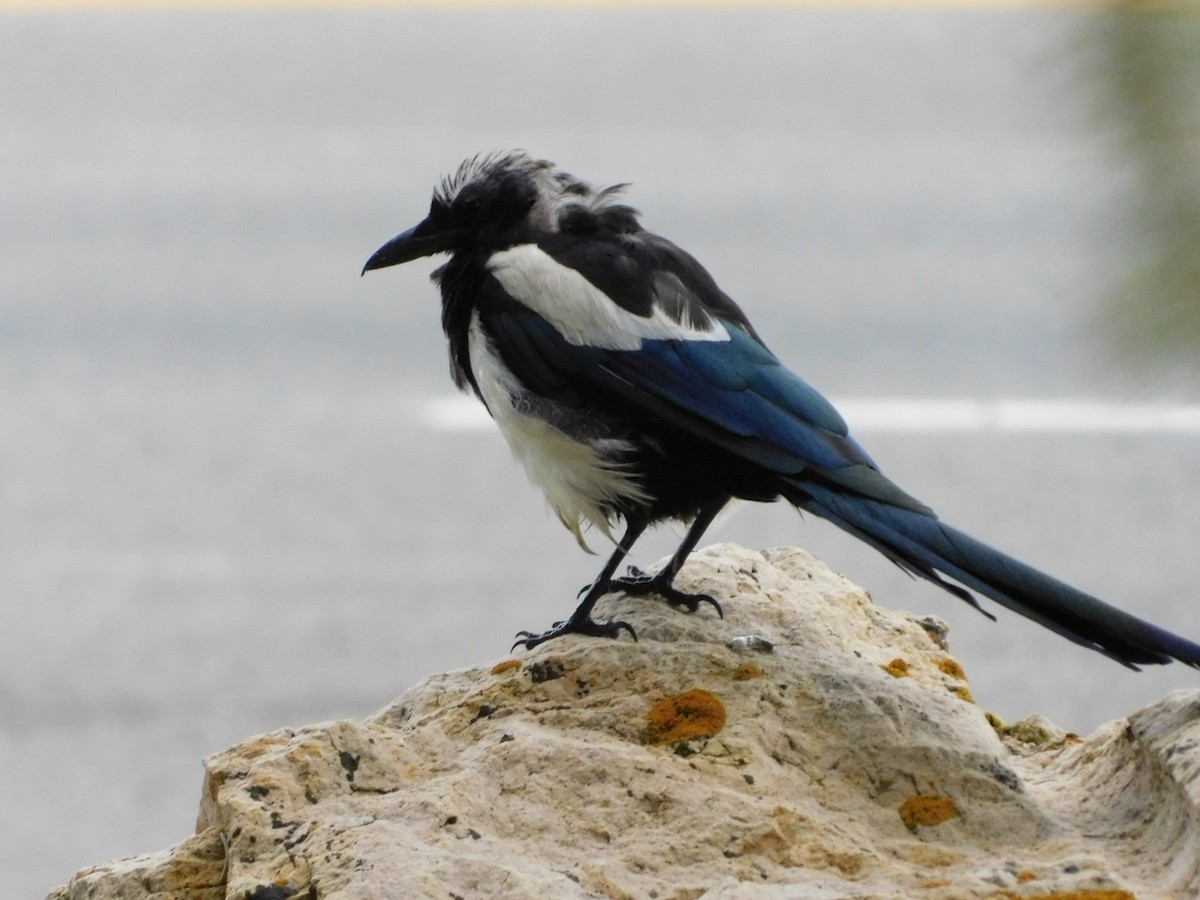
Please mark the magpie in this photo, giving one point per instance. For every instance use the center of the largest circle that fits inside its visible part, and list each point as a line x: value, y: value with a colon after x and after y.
x: 632, y: 389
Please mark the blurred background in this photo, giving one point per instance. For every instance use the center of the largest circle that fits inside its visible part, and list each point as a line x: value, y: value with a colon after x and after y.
x: 236, y: 493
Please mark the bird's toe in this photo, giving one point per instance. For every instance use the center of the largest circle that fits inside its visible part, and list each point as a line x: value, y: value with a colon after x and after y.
x: 640, y: 584
x: 589, y: 627
x: 690, y: 602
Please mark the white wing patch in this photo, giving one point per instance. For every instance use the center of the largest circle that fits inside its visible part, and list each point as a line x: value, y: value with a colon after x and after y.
x: 581, y: 312
x: 580, y: 480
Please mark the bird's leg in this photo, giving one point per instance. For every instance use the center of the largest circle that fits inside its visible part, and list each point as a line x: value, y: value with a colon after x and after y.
x: 663, y: 582
x: 581, y: 621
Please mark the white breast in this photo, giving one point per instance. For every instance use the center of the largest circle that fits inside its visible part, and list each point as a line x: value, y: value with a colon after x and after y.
x: 580, y: 480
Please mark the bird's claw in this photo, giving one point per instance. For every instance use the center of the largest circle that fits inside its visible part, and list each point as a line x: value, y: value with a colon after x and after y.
x: 638, y: 583
x: 589, y: 627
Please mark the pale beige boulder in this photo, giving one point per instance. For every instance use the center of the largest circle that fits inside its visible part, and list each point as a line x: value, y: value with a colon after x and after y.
x: 809, y: 745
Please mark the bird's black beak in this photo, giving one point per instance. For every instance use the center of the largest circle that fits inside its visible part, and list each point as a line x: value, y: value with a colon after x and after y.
x: 423, y: 239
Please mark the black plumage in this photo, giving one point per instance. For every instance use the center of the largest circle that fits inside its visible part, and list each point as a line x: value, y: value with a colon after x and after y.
x: 632, y: 388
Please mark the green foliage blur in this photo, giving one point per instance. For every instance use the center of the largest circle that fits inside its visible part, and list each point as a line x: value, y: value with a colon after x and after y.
x: 1148, y: 92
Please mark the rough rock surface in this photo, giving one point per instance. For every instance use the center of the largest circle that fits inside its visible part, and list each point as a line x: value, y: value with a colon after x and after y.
x: 847, y: 759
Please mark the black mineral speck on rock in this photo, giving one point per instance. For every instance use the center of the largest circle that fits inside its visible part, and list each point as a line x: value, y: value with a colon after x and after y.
x: 349, y: 762
x: 545, y: 671
x: 271, y: 892
x: 484, y: 712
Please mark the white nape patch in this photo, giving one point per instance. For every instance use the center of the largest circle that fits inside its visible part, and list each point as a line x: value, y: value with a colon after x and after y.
x: 581, y: 312
x: 579, y: 480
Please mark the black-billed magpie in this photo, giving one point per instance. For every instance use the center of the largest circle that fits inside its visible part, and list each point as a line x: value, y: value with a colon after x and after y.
x: 632, y: 388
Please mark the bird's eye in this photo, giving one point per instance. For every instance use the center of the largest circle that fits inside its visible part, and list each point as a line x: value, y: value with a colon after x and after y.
x: 470, y: 201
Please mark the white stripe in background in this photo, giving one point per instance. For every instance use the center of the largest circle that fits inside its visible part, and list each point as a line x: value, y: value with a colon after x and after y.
x: 928, y: 416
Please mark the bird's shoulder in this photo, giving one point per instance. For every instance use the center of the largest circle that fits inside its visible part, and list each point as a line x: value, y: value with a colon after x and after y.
x: 637, y: 270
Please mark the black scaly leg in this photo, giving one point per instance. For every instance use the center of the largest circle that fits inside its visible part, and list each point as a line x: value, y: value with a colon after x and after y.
x: 639, y: 583
x: 581, y: 621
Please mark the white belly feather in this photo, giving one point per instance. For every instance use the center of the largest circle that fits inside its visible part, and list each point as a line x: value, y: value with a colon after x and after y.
x: 580, y: 480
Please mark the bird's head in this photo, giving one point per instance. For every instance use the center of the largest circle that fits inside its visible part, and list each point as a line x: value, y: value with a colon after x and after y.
x: 496, y: 201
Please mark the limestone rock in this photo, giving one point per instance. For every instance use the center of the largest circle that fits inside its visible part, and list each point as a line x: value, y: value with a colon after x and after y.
x: 809, y: 745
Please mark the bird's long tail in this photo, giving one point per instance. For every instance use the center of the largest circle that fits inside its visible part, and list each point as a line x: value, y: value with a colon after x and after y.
x: 921, y: 544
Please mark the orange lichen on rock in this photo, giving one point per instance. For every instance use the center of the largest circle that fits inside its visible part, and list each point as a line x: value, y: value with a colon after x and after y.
x: 692, y: 714
x: 505, y: 666
x: 952, y: 668
x: 897, y: 668
x: 746, y: 671
x: 1092, y: 894
x: 924, y: 811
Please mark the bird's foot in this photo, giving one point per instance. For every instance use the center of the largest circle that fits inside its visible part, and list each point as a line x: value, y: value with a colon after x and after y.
x: 638, y: 583
x: 590, y: 627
